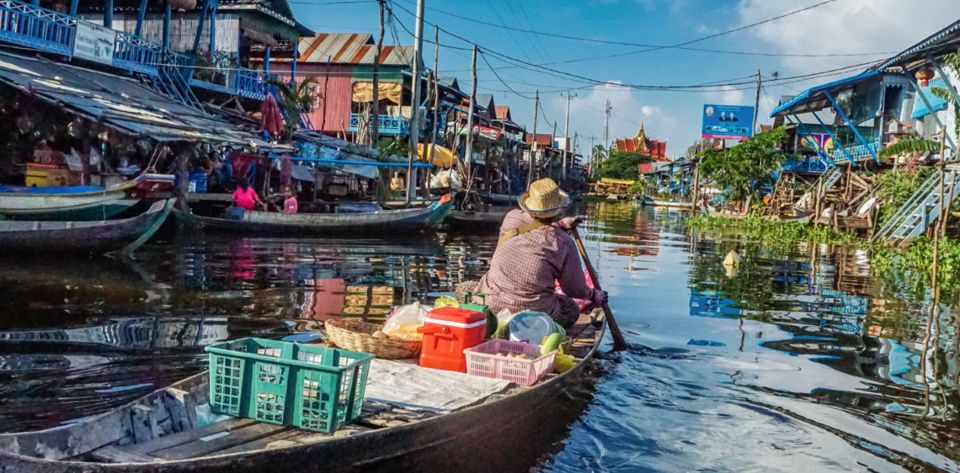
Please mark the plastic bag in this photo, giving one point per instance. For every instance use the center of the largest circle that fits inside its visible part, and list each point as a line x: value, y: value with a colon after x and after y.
x: 405, y: 321
x: 503, y: 324
x: 445, y: 301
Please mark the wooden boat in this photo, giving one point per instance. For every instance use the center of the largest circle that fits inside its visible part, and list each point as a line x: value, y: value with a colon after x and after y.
x: 488, y: 220
x: 369, y: 223
x: 800, y: 216
x: 673, y: 204
x: 94, y: 237
x: 497, y: 433
x: 78, y: 203
x: 499, y: 199
x: 715, y: 212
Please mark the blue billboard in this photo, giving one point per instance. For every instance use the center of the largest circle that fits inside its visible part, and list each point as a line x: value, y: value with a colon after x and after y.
x: 733, y: 122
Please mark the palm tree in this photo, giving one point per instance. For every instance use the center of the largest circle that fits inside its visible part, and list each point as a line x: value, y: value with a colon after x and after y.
x: 295, y: 98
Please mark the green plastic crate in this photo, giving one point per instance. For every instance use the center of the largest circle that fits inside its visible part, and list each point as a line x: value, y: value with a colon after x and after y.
x: 307, y: 386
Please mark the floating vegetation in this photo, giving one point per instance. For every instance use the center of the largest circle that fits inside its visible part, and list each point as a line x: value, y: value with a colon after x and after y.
x: 907, y: 267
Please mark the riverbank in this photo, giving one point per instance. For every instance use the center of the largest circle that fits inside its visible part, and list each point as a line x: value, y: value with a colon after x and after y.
x: 910, y: 264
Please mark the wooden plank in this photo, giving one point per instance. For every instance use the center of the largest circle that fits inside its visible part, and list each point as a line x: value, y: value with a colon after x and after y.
x: 286, y: 438
x: 190, y: 436
x: 112, y: 454
x: 220, y: 441
x: 183, y: 409
x: 144, y: 421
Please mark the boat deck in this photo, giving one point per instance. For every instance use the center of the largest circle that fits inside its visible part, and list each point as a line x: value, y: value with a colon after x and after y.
x: 241, y: 435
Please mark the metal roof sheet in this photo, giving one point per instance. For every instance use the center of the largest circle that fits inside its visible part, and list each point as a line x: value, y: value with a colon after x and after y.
x: 816, y: 92
x: 350, y: 48
x: 927, y: 46
x: 117, y: 101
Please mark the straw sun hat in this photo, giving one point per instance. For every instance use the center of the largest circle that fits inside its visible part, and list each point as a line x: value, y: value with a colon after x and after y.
x: 544, y: 199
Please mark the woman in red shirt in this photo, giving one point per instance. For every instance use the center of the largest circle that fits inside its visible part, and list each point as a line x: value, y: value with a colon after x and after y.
x: 245, y: 197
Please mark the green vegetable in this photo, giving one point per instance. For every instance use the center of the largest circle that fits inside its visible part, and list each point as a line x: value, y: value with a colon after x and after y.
x: 550, y: 343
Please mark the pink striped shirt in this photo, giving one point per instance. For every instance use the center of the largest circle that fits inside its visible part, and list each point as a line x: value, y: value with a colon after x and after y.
x: 525, y: 268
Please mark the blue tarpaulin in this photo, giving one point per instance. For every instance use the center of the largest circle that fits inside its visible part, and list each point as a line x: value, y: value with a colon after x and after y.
x: 920, y: 109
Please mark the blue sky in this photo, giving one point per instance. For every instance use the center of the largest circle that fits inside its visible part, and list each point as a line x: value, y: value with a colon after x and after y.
x: 841, y: 27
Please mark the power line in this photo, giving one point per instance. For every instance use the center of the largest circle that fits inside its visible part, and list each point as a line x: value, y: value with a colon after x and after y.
x: 555, y: 72
x: 654, y: 47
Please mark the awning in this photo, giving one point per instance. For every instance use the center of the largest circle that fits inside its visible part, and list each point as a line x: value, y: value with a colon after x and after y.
x: 116, y: 101
x: 814, y: 99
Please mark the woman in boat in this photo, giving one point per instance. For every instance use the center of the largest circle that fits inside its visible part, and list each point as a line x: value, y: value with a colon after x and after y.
x: 244, y: 198
x: 533, y: 255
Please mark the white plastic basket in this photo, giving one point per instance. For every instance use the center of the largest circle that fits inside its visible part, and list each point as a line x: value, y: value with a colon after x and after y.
x: 485, y: 360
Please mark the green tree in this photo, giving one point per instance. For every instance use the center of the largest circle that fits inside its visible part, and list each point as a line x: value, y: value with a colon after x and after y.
x: 622, y: 165
x: 295, y: 99
x: 746, y: 167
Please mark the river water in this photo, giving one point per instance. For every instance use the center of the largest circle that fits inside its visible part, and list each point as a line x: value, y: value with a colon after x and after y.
x: 800, y: 358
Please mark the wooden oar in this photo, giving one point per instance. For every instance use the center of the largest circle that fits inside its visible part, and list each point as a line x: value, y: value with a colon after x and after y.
x: 619, y: 344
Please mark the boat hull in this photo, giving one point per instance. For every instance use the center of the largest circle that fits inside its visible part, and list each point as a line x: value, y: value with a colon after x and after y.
x: 489, y: 221
x: 368, y: 223
x: 83, y: 236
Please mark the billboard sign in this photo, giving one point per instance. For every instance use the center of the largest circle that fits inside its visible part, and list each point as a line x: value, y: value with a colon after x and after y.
x: 94, y: 43
x: 733, y: 122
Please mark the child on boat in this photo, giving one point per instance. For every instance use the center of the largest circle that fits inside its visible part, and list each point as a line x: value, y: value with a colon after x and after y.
x: 290, y: 205
x: 533, y: 254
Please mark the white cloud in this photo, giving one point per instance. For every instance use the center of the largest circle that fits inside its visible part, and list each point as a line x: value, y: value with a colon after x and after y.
x: 844, y: 27
x: 628, y: 112
x: 726, y: 95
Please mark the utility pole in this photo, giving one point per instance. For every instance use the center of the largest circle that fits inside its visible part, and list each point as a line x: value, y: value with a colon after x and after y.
x: 533, y: 148
x: 593, y: 155
x: 566, y: 136
x: 756, y: 102
x: 436, y: 92
x: 415, y: 101
x: 468, y: 151
x: 374, y: 125
x: 606, y: 127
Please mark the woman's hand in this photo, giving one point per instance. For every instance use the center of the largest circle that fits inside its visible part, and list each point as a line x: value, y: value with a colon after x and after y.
x: 599, y: 297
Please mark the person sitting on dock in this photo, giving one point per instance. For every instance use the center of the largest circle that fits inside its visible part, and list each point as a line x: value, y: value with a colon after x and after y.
x: 534, y: 254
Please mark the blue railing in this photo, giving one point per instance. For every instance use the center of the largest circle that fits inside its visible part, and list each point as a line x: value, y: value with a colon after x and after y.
x: 45, y: 30
x: 389, y: 124
x: 863, y: 151
x: 253, y: 84
x: 811, y: 165
x: 137, y: 54
x: 36, y: 27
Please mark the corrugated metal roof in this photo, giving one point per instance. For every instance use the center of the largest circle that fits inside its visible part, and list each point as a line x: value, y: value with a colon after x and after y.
x: 816, y: 93
x: 117, y: 101
x: 919, y: 50
x: 503, y: 112
x: 350, y: 48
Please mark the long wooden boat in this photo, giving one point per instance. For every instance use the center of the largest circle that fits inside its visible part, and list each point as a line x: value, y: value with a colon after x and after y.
x: 487, y: 221
x: 508, y: 431
x: 715, y: 212
x: 499, y: 199
x: 650, y: 201
x: 800, y: 216
x: 78, y: 203
x: 94, y: 237
x: 364, y: 223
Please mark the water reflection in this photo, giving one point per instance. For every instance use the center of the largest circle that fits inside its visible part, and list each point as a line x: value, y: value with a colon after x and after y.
x: 798, y: 356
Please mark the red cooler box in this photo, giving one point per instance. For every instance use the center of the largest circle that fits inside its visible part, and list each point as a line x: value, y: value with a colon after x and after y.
x: 447, y: 331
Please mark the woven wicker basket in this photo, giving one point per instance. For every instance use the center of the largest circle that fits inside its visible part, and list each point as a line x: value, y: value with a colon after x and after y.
x: 357, y: 335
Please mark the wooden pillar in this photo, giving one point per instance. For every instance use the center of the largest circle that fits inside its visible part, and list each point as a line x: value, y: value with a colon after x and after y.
x: 167, y: 14
x: 204, y: 11
x: 213, y: 27
x: 141, y: 15
x: 107, y: 13
x: 266, y: 60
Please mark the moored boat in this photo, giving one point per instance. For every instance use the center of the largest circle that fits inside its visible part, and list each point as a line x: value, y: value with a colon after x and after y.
x: 78, y: 203
x: 163, y: 431
x: 85, y: 236
x: 276, y: 223
x: 650, y: 201
x: 715, y: 212
x: 487, y: 220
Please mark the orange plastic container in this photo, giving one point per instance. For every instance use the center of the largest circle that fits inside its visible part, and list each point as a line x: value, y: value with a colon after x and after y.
x: 448, y: 331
